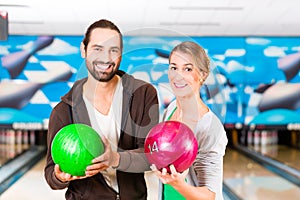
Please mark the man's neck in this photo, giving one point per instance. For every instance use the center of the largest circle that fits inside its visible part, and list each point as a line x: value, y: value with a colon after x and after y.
x: 100, y: 94
x: 93, y: 88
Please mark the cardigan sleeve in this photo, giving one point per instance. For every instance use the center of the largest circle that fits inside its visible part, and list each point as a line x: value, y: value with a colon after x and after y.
x: 209, y: 161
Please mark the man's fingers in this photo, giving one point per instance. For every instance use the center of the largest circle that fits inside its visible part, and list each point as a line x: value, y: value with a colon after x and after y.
x: 56, y: 169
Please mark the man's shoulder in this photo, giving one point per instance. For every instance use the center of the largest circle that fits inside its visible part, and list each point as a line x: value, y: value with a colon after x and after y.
x: 62, y: 105
x: 130, y: 80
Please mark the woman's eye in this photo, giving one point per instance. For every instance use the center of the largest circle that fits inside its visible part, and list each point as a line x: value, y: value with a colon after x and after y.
x: 172, y: 67
x: 188, y: 69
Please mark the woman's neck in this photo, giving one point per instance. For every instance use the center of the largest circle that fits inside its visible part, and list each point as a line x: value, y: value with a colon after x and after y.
x: 190, y: 110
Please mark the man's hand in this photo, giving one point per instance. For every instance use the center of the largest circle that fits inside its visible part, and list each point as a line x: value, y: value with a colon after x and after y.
x: 65, y: 177
x: 102, y: 162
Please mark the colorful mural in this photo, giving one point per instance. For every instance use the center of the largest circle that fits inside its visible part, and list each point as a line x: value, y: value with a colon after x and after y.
x: 254, y: 80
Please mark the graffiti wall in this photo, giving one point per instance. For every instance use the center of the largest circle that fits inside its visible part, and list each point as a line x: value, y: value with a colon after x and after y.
x: 253, y: 80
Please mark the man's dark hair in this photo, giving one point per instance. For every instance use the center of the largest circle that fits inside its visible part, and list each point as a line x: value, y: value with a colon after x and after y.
x: 103, y: 23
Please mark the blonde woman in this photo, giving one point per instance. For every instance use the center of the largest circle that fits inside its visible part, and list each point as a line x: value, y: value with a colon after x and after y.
x: 188, y: 69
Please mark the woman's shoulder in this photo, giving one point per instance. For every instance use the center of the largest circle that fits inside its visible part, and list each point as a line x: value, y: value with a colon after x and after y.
x: 172, y: 105
x: 210, y: 123
x: 169, y: 109
x: 211, y: 134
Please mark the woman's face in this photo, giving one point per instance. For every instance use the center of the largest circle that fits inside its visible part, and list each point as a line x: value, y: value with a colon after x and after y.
x: 184, y: 76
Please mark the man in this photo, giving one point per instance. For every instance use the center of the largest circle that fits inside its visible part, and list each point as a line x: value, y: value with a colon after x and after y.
x: 120, y: 108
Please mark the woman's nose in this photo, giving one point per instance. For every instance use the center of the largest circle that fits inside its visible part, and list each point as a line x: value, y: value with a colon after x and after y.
x: 178, y: 75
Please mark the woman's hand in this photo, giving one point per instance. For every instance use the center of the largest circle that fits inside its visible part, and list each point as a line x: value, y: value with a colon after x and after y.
x: 174, y: 178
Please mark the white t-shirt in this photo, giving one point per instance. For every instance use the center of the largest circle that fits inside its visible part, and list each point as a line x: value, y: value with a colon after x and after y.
x: 108, y: 126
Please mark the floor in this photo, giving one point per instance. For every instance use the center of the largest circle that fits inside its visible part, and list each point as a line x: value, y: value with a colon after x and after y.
x: 32, y: 186
x: 252, y: 181
x: 249, y: 180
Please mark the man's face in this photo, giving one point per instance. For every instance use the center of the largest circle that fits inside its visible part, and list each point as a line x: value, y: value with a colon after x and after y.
x: 103, y: 54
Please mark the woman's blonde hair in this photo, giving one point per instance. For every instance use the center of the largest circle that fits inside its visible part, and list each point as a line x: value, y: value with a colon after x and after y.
x: 197, y: 52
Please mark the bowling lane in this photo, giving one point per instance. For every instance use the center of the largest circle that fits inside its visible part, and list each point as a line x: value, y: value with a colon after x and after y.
x: 249, y: 180
x: 282, y: 153
x: 32, y: 186
x: 11, y: 151
x: 13, y: 143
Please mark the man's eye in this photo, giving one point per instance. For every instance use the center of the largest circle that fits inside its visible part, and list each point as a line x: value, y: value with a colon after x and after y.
x: 115, y: 50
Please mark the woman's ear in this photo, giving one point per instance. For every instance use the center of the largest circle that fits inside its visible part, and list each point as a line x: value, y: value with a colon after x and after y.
x: 203, y: 75
x: 206, y: 75
x: 82, y: 50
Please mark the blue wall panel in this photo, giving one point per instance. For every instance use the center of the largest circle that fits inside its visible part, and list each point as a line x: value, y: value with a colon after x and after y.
x: 254, y: 80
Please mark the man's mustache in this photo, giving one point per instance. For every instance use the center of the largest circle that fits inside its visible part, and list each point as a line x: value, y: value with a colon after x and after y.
x: 104, y: 63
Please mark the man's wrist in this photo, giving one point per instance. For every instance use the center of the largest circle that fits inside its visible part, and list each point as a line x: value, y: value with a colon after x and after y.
x: 116, y: 160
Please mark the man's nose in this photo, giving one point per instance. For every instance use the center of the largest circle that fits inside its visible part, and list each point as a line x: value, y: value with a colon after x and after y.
x: 105, y: 56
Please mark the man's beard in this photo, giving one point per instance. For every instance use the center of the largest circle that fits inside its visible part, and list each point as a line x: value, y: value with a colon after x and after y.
x: 103, y: 76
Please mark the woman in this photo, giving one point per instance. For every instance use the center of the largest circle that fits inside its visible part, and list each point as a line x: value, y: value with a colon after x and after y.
x: 188, y: 69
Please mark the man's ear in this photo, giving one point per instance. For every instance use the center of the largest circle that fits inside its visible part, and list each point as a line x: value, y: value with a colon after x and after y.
x: 82, y: 50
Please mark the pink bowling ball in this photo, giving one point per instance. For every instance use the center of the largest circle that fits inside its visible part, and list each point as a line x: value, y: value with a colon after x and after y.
x: 171, y: 142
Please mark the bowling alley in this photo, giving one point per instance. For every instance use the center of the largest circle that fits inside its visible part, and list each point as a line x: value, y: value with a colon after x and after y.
x: 152, y: 100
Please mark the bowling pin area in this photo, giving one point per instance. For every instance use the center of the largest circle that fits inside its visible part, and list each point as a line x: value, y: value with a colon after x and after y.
x: 258, y: 164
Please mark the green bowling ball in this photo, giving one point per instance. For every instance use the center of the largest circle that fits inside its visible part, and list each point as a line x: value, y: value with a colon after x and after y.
x: 74, y: 147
